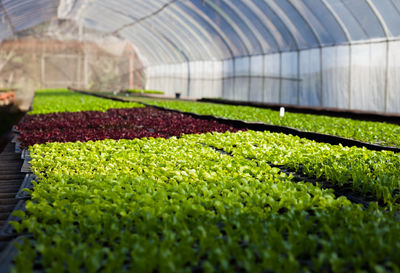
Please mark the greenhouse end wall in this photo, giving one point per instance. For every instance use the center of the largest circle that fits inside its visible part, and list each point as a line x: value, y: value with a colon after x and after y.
x: 361, y: 76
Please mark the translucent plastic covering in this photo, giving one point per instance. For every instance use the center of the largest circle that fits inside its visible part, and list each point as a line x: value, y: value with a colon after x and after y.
x: 314, y: 53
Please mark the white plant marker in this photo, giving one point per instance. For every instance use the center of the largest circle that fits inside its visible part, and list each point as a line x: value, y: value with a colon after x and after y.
x: 282, y: 112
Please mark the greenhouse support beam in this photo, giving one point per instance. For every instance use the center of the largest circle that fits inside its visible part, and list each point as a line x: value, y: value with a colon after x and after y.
x: 355, y: 18
x: 153, y: 32
x: 350, y: 74
x: 321, y: 80
x: 175, y: 47
x: 144, y: 17
x: 285, y: 20
x: 178, y: 20
x: 315, y: 33
x: 268, y: 77
x: 348, y: 37
x: 268, y: 25
x: 387, y: 34
x: 169, y: 35
x: 280, y: 75
x: 188, y: 79
x: 361, y: 42
x: 240, y: 34
x: 252, y: 29
x: 337, y: 19
x: 79, y: 71
x: 131, y: 70
x: 42, y: 72
x: 233, y: 25
x: 234, y: 74
x: 249, y: 79
x: 180, y: 39
x: 387, y: 76
x: 85, y: 66
x: 220, y: 33
x: 263, y: 79
x: 379, y: 17
x: 10, y: 23
x: 223, y: 79
x: 178, y: 16
x: 287, y: 23
x: 298, y: 76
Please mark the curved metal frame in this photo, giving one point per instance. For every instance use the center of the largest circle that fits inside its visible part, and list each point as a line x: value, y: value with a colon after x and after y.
x: 182, y: 40
x: 320, y: 54
x: 204, y: 22
x: 246, y: 22
x: 158, y: 40
x: 387, y: 33
x: 269, y: 24
x: 208, y: 45
x: 157, y: 33
x: 348, y: 37
x: 243, y: 36
x: 196, y: 40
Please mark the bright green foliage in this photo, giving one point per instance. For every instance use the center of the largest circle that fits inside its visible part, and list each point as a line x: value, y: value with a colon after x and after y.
x: 369, y: 172
x: 61, y: 100
x: 371, y: 132
x: 177, y: 205
x: 144, y: 91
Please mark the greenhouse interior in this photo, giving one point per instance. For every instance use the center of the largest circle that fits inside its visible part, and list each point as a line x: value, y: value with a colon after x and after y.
x: 200, y: 136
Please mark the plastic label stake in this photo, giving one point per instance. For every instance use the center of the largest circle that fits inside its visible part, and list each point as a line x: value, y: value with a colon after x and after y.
x: 282, y: 112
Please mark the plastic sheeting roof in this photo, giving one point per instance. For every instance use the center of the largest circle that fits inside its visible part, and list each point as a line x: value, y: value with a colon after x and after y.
x: 174, y: 31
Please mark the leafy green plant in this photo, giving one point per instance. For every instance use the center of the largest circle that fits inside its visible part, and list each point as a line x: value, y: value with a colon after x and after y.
x: 61, y: 100
x: 369, y: 172
x: 178, y: 205
x: 371, y: 132
x: 144, y: 91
